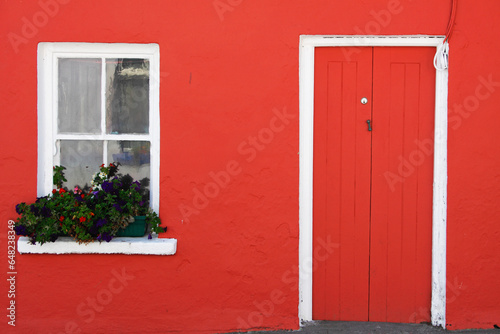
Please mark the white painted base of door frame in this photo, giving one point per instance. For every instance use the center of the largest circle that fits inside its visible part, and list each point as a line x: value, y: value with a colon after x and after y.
x: 306, y: 97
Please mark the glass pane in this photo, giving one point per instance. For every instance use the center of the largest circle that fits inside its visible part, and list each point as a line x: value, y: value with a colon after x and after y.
x: 79, y: 92
x: 127, y: 95
x: 82, y: 159
x: 133, y: 157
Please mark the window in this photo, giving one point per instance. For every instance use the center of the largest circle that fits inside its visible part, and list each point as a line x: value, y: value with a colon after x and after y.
x: 98, y: 103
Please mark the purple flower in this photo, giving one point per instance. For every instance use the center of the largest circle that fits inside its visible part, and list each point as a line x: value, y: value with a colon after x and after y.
x: 105, y: 237
x: 45, y: 212
x: 101, y: 222
x: 118, y: 207
x: 107, y: 186
x: 18, y: 208
x: 34, y: 209
x: 94, y: 230
x: 149, y: 236
x: 96, y: 194
x: 21, y: 230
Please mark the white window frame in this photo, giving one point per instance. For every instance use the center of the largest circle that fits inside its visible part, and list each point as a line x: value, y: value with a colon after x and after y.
x: 439, y: 207
x: 47, y: 100
x: 48, y: 53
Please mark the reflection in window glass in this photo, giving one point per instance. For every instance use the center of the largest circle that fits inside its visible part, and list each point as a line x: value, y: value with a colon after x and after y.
x: 133, y: 156
x: 127, y: 95
x: 79, y: 95
x: 81, y: 158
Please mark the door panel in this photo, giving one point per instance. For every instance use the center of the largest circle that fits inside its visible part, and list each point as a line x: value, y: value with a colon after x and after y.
x: 402, y: 162
x: 373, y: 189
x: 342, y: 183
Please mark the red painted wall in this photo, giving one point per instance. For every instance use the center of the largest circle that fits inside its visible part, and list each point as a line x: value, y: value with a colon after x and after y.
x: 473, y: 293
x: 228, y: 67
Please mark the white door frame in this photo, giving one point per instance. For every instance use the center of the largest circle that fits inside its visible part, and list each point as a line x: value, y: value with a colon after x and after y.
x: 306, y: 97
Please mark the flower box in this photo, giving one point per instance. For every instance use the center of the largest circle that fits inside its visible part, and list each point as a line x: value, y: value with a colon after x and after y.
x: 100, y: 212
x: 136, y: 228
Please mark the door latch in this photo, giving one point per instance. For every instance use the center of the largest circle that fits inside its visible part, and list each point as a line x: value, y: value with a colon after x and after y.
x: 369, y: 125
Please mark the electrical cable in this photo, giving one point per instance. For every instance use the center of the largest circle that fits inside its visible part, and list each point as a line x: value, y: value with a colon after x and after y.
x: 451, y: 21
x: 441, y: 57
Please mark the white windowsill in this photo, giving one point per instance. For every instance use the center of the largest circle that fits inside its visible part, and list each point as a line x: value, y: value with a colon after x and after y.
x: 67, y: 245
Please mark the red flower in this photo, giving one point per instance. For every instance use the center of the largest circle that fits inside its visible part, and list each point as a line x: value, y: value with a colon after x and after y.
x: 61, y: 191
x: 83, y: 195
x: 61, y: 218
x: 54, y: 191
x: 102, y: 165
x: 82, y: 219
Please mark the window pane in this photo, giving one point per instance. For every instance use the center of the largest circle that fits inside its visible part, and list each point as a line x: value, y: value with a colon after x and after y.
x: 79, y: 94
x: 81, y: 158
x: 133, y: 156
x: 127, y: 94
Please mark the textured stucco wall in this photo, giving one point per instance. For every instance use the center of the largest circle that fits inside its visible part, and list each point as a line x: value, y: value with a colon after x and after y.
x: 229, y: 160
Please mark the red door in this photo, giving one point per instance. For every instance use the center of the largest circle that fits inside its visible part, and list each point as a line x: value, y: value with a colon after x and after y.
x: 373, y: 140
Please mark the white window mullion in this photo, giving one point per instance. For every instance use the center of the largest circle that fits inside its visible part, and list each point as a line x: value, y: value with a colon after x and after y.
x: 105, y: 152
x: 154, y: 129
x: 103, y: 111
x: 127, y: 137
x: 56, y: 147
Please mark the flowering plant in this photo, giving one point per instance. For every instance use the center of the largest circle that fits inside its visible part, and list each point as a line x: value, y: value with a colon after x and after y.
x: 96, y: 213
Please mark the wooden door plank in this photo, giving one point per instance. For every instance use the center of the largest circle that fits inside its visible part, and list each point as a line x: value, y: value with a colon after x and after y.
x: 406, y: 304
x: 400, y: 271
x: 341, y: 183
